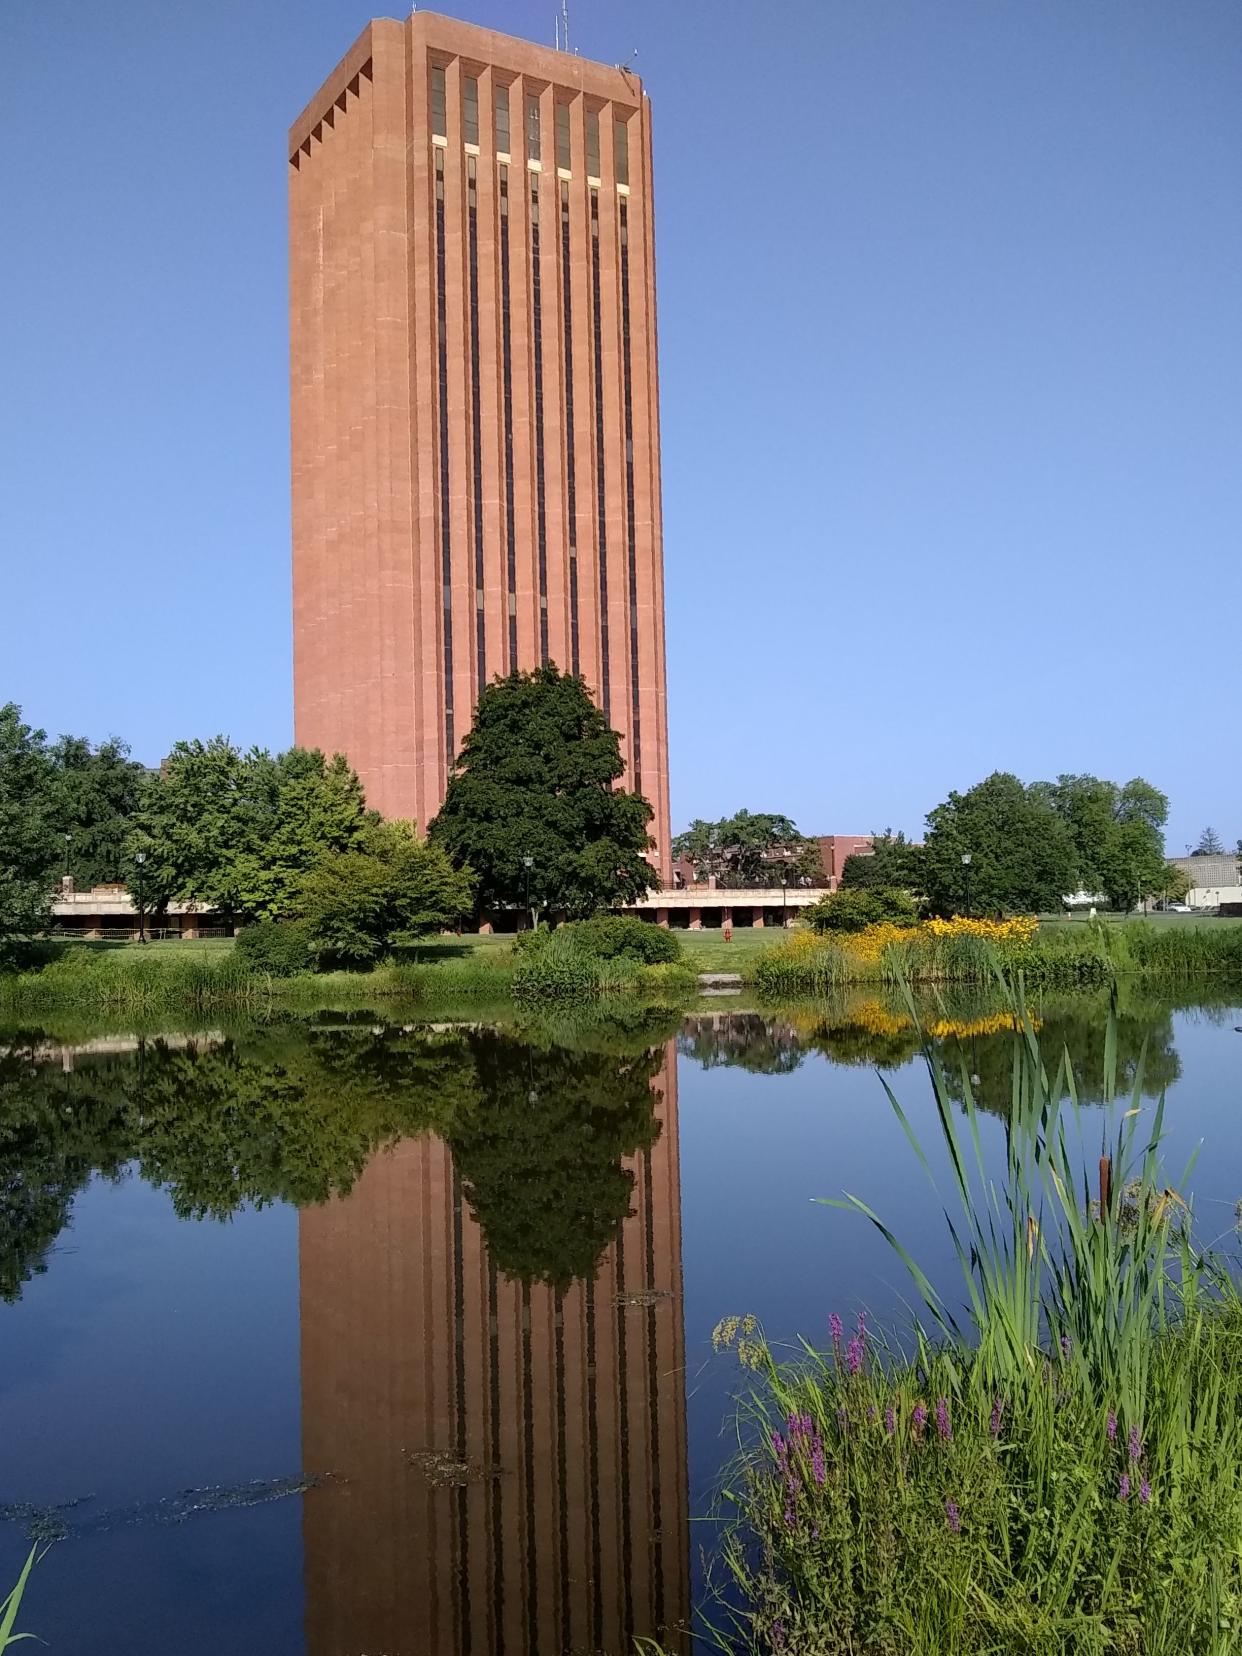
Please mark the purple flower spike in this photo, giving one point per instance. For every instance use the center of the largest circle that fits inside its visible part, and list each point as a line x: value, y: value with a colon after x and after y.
x: 1136, y: 1444
x: 890, y: 1420
x: 1111, y: 1426
x: 918, y: 1419
x: 998, y: 1409
x: 778, y: 1445
x: 1145, y: 1491
x: 862, y: 1325
x: 1065, y: 1345
x: 854, y: 1354
x: 778, y: 1635
x: 953, y: 1517
x: 818, y: 1470
x: 943, y: 1424
x: 1123, y: 1487
x: 835, y: 1325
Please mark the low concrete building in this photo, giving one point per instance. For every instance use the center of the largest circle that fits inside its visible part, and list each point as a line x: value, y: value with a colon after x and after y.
x: 699, y: 907
x: 109, y: 911
x: 1213, y: 880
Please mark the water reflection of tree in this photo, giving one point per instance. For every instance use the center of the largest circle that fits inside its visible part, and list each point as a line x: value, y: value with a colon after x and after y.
x: 293, y: 1112
x: 540, y: 1151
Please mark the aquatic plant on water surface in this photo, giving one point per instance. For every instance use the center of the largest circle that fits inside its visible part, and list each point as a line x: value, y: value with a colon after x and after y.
x: 1056, y: 1468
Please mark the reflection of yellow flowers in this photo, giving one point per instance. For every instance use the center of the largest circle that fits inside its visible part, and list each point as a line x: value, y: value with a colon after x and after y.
x: 874, y: 1018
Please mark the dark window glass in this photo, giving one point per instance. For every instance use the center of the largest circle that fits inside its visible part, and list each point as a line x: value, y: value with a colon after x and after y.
x: 446, y: 562
x: 532, y: 128
x: 592, y: 142
x: 502, y: 119
x: 621, y: 151
x: 562, y: 136
x: 601, y: 490
x: 470, y: 108
x: 571, y: 472
x: 627, y: 381
x: 506, y: 358
x: 439, y: 108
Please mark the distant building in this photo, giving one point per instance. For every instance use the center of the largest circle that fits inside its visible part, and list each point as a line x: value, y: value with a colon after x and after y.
x: 109, y: 911
x: 1213, y: 880
x: 835, y: 848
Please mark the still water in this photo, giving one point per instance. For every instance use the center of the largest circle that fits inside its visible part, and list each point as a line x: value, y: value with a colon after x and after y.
x: 338, y: 1335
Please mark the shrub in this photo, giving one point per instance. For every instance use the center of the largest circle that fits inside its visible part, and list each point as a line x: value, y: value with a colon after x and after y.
x: 608, y: 937
x: 556, y: 969
x: 280, y: 948
x: 612, y: 936
x: 853, y: 910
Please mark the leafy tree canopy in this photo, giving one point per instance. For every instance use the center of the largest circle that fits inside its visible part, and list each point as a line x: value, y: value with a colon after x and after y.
x: 1022, y: 853
x: 28, y: 841
x: 536, y: 777
x: 749, y: 848
x: 391, y: 889
x: 1116, y: 830
x: 894, y: 863
x: 240, y: 831
x: 1210, y: 844
x: 97, y: 790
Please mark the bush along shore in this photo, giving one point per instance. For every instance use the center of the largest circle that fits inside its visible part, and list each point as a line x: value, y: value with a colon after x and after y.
x: 1059, y: 1469
x: 966, y: 950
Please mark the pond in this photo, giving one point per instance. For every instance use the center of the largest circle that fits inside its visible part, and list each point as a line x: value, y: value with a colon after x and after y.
x: 360, y: 1335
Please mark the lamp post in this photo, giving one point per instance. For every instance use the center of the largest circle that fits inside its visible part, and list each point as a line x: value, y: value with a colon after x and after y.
x: 68, y: 837
x: 528, y: 863
x: 140, y: 857
x: 966, y: 870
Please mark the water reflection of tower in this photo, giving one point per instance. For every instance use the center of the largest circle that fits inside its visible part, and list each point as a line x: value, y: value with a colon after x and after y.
x: 568, y: 1532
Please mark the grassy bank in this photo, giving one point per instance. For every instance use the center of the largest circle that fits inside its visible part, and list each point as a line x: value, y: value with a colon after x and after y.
x: 1055, y: 1467
x: 970, y: 951
x: 136, y: 980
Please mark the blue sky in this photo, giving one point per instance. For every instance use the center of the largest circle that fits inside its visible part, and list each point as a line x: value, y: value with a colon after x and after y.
x: 949, y: 307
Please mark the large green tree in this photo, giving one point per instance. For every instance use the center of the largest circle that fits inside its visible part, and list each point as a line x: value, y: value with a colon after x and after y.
x: 1022, y: 855
x: 1116, y: 830
x: 1210, y: 844
x: 98, y: 791
x: 893, y: 863
x: 240, y: 831
x: 29, y: 846
x: 749, y: 848
x: 537, y: 777
x: 392, y: 889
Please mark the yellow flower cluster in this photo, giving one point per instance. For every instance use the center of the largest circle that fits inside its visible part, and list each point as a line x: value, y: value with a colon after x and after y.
x: 871, y: 942
x: 1021, y: 929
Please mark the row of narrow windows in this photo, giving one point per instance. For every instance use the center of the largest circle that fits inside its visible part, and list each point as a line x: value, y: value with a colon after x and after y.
x: 530, y: 126
x: 596, y: 332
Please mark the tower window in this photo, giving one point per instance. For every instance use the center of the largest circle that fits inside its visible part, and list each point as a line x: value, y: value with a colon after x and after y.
x: 470, y: 108
x: 502, y: 119
x: 621, y: 151
x: 532, y: 128
x: 592, y: 142
x: 562, y: 136
x: 439, y: 106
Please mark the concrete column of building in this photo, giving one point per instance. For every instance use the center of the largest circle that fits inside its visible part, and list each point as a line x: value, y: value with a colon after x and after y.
x: 662, y: 917
x: 696, y: 919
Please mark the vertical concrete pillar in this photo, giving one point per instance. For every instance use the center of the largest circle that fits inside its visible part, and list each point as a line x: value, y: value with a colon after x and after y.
x: 662, y: 917
x: 696, y: 919
x: 756, y: 918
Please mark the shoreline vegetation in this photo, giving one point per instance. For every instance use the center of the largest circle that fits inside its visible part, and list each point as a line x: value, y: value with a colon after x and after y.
x: 1055, y: 1466
x: 611, y: 956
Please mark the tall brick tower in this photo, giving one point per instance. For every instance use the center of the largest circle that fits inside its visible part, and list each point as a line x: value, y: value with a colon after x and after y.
x: 475, y: 420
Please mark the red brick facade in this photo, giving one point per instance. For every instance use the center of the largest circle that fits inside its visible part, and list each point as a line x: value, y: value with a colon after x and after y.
x: 453, y: 298
x: 835, y: 848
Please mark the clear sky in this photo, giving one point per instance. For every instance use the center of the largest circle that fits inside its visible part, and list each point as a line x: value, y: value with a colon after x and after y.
x: 951, y: 345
